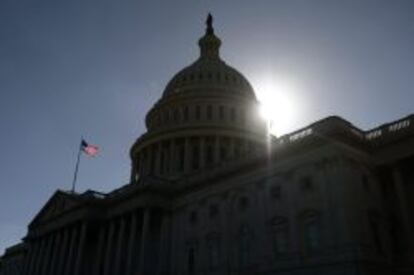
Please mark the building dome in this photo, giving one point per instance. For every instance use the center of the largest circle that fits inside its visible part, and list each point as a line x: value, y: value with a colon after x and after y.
x: 206, y: 116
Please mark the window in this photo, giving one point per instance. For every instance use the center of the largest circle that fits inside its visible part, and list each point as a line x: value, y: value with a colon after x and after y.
x: 213, y: 210
x: 196, y: 157
x: 209, y: 154
x: 244, y: 245
x: 232, y: 114
x: 275, y: 192
x: 181, y: 156
x: 198, y: 112
x: 221, y: 112
x: 166, y: 116
x: 186, y: 113
x: 306, y: 184
x: 193, y: 217
x: 162, y: 153
x: 176, y: 115
x: 365, y: 183
x: 213, y: 248
x: 312, y: 234
x: 223, y: 153
x: 280, y: 232
x: 242, y: 117
x: 243, y: 203
x: 209, y: 112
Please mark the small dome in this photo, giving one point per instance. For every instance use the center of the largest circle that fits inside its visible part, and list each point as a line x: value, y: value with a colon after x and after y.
x: 209, y: 72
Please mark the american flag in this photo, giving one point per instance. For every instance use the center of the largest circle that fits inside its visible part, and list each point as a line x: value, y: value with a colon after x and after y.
x: 89, y: 149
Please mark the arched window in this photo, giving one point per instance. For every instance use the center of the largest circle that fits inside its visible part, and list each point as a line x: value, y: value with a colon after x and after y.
x: 186, y: 113
x: 221, y: 112
x: 244, y: 245
x: 176, y: 115
x: 280, y: 234
x: 181, y: 155
x: 196, y: 155
x: 213, y: 249
x: 209, y: 154
x: 198, y: 112
x: 311, y: 226
x: 232, y: 114
x: 209, y: 112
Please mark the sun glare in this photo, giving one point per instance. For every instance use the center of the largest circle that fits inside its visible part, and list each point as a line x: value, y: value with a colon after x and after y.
x: 277, y: 104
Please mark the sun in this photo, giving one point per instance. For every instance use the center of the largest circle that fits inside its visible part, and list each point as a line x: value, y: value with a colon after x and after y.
x: 277, y: 104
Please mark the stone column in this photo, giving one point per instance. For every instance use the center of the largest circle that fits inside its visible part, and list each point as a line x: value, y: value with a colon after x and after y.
x: 100, y: 251
x: 28, y: 257
x: 144, y: 236
x: 131, y: 243
x: 109, y: 247
x: 403, y: 206
x: 80, y: 249
x: 120, y: 239
x: 40, y: 254
x: 164, y: 249
x: 63, y: 252
x: 55, y: 253
x: 46, y: 255
x: 70, y: 259
x: 187, y: 155
x: 34, y: 255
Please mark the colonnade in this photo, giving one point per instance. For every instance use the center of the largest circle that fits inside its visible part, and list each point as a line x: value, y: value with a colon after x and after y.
x: 59, y: 252
x: 130, y: 244
x: 183, y: 155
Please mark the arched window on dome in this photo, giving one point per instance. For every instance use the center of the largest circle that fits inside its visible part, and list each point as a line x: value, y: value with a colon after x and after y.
x: 209, y: 154
x: 232, y: 114
x: 196, y: 154
x: 198, y: 112
x: 186, y: 113
x: 176, y: 115
x: 166, y: 115
x: 209, y: 112
x: 221, y: 112
x: 181, y: 154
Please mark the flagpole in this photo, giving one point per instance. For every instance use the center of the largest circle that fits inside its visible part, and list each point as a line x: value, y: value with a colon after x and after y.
x: 75, y: 175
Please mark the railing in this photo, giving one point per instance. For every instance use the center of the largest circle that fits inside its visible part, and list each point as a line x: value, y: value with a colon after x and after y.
x: 378, y: 133
x: 392, y: 128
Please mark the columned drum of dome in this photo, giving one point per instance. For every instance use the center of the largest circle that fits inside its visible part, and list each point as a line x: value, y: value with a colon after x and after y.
x: 207, y: 115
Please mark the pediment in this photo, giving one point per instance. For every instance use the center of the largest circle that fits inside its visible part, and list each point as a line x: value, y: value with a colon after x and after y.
x: 58, y: 203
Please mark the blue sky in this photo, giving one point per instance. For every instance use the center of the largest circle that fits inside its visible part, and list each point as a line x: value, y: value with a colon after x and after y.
x: 95, y: 67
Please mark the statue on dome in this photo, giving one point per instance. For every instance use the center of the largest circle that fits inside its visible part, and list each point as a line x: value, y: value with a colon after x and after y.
x: 209, y: 23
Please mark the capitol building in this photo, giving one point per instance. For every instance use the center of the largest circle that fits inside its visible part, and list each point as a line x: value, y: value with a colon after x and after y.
x: 211, y: 193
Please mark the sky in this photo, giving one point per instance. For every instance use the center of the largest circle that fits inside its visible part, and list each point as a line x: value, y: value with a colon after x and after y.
x: 93, y: 68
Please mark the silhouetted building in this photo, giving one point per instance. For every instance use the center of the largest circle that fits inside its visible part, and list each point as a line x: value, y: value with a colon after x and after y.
x: 211, y: 193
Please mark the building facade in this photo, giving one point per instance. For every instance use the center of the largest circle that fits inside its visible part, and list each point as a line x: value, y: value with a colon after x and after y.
x: 212, y: 193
